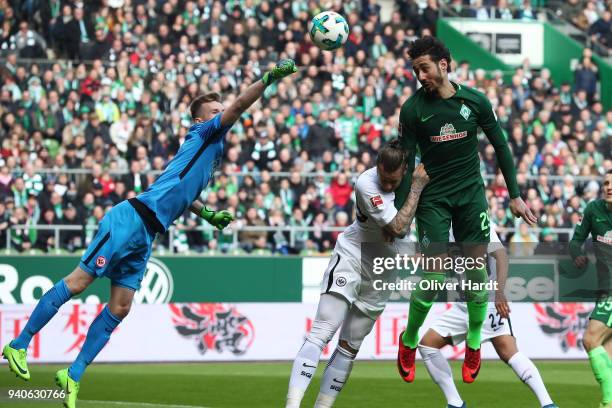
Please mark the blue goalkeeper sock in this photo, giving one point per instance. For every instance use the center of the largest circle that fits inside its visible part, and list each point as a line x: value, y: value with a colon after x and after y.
x: 97, y: 336
x: 44, y: 311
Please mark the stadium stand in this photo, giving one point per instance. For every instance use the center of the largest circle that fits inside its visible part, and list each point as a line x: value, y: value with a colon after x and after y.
x: 94, y: 102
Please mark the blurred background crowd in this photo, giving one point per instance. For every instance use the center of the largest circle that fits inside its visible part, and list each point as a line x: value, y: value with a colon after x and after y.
x: 94, y: 100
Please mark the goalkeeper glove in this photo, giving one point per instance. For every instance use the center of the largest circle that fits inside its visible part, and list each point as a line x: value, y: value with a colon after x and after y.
x: 218, y: 219
x: 283, y: 68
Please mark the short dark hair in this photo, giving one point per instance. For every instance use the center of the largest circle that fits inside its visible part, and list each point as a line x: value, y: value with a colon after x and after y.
x: 429, y: 46
x: 201, y: 100
x: 391, y: 156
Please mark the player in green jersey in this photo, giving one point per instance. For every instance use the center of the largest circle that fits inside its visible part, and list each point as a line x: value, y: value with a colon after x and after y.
x: 442, y: 119
x: 597, y: 221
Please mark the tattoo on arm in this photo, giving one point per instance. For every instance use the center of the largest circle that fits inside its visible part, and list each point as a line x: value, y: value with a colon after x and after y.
x: 402, y: 220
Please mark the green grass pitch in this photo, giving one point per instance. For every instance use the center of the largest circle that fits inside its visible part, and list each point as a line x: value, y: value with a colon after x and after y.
x: 233, y: 385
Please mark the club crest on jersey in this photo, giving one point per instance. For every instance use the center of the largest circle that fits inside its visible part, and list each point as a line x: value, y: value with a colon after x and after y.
x: 100, y: 261
x: 465, y: 112
x: 447, y: 133
x: 425, y: 241
x: 376, y: 201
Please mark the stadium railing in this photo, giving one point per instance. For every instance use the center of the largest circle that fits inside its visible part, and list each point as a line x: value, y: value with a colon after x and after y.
x: 235, y: 228
x: 280, y: 174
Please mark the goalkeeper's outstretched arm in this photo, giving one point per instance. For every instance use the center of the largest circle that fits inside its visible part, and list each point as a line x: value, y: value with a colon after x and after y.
x: 255, y: 91
x: 218, y: 219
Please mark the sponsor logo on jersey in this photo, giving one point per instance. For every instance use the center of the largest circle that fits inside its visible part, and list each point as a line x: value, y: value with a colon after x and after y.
x: 341, y: 281
x: 563, y: 321
x: 465, y: 112
x: 213, y: 326
x: 448, y: 133
x: 606, y: 239
x: 376, y: 201
x: 101, y: 261
x: 426, y: 118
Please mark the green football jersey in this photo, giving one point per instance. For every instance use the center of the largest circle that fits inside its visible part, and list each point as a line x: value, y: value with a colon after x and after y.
x: 445, y: 131
x: 597, y: 221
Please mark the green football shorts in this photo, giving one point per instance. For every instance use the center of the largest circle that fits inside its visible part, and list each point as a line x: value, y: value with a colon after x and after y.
x: 468, y: 212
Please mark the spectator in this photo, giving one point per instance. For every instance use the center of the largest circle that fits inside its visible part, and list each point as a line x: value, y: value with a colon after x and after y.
x: 79, y: 33
x: 45, y: 239
x: 19, y: 233
x: 135, y: 181
x: 249, y: 238
x: 130, y: 110
x: 28, y: 43
x: 523, y: 243
x: 601, y: 30
x: 341, y: 190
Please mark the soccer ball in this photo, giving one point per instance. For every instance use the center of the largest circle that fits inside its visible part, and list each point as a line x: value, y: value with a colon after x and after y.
x: 328, y: 30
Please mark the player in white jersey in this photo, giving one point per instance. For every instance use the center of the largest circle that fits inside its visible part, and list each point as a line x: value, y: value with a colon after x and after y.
x: 451, y: 329
x: 348, y: 298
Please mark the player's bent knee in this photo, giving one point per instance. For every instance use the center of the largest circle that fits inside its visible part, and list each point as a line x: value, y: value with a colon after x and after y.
x: 78, y: 280
x: 321, y: 332
x: 594, y: 335
x: 506, y: 349
x: 120, y: 311
x: 434, y: 340
x: 591, y: 341
x: 346, y: 346
x: 477, y: 296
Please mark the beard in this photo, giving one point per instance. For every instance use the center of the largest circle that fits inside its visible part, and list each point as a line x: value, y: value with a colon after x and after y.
x: 432, y: 85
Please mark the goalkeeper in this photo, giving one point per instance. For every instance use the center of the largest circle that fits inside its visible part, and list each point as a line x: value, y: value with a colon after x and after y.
x: 122, y: 245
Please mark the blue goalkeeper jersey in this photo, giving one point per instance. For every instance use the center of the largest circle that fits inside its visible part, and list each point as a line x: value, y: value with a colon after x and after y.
x: 188, y: 173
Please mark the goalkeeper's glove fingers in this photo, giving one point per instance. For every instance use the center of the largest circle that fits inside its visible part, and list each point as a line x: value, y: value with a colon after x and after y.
x: 224, y: 218
x: 218, y: 219
x: 283, y: 68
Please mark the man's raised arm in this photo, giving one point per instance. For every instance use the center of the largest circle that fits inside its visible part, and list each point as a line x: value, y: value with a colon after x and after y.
x: 255, y: 91
x: 398, y: 227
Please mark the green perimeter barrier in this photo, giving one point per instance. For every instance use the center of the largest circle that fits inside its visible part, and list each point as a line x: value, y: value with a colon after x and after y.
x: 463, y: 48
x: 23, y: 279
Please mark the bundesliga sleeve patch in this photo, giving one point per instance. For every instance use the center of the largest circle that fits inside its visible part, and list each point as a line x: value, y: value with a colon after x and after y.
x: 376, y: 201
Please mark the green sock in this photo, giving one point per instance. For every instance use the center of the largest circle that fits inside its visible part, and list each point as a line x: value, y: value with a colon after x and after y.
x: 477, y: 307
x: 420, y: 303
x: 602, y: 368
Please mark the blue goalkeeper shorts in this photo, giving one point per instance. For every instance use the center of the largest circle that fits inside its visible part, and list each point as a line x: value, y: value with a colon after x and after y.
x: 121, y: 248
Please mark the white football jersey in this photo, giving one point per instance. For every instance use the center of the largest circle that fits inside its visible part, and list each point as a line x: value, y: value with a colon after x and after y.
x: 375, y: 209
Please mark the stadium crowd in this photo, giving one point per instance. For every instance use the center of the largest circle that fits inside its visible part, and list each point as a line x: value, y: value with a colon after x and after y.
x: 105, y: 86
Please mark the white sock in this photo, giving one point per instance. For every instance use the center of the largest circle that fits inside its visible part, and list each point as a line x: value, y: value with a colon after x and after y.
x: 324, y: 401
x: 303, y: 370
x: 529, y: 374
x: 441, y: 374
x: 335, y: 376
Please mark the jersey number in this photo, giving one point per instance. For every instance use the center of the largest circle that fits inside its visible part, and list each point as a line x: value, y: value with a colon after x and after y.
x: 496, y: 326
x: 484, y: 221
x: 605, y: 304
